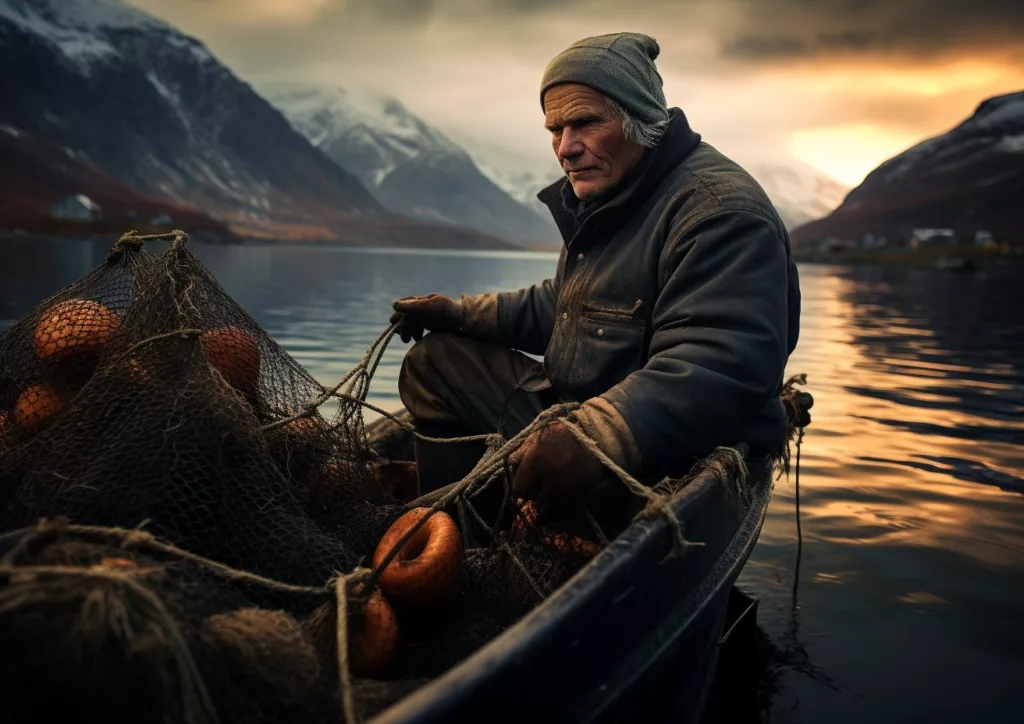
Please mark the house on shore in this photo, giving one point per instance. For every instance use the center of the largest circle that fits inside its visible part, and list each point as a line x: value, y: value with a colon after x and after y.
x: 932, y: 237
x: 76, y: 207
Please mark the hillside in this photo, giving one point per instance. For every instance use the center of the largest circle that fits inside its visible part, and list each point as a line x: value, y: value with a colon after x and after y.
x: 967, y: 179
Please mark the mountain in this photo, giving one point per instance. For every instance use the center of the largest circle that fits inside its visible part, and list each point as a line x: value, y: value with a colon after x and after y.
x: 967, y: 179
x: 520, y: 175
x: 799, y: 192
x: 153, y: 108
x: 410, y: 166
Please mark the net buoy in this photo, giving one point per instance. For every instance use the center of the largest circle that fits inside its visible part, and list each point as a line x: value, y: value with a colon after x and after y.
x: 235, y: 355
x: 37, y: 405
x: 75, y: 327
x: 426, y: 568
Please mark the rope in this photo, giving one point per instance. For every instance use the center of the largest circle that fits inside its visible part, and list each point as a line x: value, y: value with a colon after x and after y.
x: 141, y: 538
x: 657, y: 503
x: 799, y: 531
x: 348, y: 701
x: 184, y: 333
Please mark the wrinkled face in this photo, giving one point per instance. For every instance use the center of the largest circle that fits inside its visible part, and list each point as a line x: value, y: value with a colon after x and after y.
x: 586, y: 135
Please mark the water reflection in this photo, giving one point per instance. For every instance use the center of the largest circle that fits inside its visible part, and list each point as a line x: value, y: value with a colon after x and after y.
x: 911, y: 569
x: 913, y: 518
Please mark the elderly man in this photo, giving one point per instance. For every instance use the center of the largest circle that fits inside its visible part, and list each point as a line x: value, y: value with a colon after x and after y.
x: 670, y: 317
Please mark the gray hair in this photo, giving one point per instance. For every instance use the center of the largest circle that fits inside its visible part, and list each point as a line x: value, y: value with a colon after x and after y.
x: 639, y: 132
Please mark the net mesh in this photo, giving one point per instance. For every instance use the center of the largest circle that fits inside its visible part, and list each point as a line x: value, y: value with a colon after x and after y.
x: 200, y: 516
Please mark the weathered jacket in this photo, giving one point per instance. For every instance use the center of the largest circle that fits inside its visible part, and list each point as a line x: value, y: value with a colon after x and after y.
x: 671, y: 315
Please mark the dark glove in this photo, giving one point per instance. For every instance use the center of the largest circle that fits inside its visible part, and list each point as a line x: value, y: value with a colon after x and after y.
x: 555, y: 469
x: 433, y: 312
x: 804, y: 402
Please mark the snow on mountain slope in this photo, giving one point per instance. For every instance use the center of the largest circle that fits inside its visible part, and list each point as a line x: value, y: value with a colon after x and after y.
x: 996, y: 127
x: 412, y: 167
x: 799, y: 192
x: 367, y: 133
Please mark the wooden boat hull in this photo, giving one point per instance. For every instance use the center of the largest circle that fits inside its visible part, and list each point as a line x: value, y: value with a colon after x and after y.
x: 632, y: 637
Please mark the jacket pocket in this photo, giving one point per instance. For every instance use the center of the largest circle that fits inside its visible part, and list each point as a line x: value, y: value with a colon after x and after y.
x: 609, y: 348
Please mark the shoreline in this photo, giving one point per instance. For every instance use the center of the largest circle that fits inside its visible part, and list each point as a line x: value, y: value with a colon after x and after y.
x: 949, y: 258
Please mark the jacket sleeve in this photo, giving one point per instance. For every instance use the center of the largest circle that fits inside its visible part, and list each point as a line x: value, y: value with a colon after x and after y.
x: 526, y: 318
x: 719, y: 343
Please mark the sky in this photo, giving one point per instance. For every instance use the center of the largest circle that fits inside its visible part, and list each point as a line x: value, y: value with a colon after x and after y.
x: 841, y: 85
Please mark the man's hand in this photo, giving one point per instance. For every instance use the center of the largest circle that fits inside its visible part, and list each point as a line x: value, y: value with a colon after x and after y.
x: 554, y: 468
x: 432, y: 312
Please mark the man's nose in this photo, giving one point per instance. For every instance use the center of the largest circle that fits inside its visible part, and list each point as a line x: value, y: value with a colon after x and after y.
x: 571, y: 145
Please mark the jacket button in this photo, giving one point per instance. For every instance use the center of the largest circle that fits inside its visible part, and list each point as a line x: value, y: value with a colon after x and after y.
x: 565, y: 315
x: 600, y: 333
x: 580, y: 256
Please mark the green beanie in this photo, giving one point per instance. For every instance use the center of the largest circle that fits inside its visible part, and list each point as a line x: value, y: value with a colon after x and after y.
x: 620, y: 65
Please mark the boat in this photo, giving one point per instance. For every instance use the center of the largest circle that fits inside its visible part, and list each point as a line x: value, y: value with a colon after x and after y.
x: 633, y: 636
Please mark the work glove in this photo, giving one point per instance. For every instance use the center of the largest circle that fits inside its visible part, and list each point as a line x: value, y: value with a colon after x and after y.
x: 804, y: 403
x: 553, y: 468
x: 433, y: 312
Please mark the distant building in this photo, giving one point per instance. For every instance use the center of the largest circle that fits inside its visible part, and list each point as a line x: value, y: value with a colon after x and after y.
x: 162, y: 220
x: 76, y: 207
x: 923, y: 237
x: 870, y: 241
x: 984, y: 238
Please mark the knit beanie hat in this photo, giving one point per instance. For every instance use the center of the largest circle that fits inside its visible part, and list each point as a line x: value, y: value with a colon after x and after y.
x: 620, y: 65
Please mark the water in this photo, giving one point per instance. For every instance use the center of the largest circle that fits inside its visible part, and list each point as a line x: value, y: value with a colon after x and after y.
x: 911, y: 595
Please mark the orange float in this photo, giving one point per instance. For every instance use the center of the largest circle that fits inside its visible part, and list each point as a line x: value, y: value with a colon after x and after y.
x: 564, y: 542
x: 373, y: 634
x: 37, y: 405
x: 426, y: 568
x: 372, y: 649
x: 235, y: 355
x: 75, y: 327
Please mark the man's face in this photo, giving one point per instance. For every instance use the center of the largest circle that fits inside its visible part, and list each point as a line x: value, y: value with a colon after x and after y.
x: 586, y: 135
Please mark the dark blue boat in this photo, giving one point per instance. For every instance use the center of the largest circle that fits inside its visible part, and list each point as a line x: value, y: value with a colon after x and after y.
x: 633, y: 636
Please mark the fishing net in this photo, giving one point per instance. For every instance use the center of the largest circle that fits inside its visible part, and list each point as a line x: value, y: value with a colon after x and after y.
x: 186, y: 536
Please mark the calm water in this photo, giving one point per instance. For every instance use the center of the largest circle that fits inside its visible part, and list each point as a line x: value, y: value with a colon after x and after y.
x: 911, y: 596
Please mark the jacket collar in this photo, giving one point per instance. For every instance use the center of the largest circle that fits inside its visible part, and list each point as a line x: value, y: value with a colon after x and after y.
x: 675, y: 145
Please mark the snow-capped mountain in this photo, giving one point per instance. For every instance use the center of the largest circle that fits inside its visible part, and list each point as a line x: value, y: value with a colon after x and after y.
x: 799, y: 192
x: 411, y: 167
x: 967, y: 179
x: 154, y: 108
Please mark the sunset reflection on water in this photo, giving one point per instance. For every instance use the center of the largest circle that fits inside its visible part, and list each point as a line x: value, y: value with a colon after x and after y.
x: 912, y: 476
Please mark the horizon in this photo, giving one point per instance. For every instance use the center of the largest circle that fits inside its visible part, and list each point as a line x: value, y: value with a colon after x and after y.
x: 858, y: 87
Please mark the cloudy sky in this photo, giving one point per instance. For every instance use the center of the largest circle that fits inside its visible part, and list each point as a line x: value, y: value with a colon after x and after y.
x: 839, y: 84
